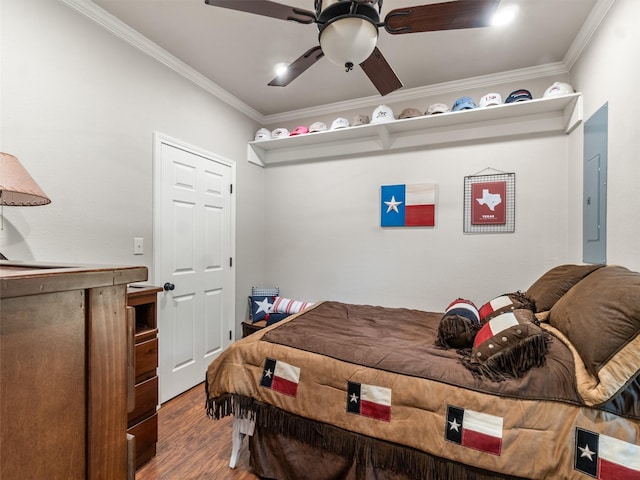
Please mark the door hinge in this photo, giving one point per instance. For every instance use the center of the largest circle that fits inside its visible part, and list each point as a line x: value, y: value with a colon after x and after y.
x: 231, y: 261
x: 230, y: 335
x: 231, y: 188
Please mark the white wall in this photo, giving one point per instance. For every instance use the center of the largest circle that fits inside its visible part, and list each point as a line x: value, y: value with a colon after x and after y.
x: 609, y: 71
x: 324, y: 241
x: 79, y: 108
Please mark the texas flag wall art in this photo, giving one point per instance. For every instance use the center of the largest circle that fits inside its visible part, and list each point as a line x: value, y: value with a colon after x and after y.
x: 408, y: 205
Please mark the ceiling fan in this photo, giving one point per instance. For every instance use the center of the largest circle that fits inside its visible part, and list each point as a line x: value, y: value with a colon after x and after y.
x: 349, y: 30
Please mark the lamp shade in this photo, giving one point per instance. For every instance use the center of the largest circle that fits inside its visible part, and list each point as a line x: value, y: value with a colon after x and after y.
x: 349, y: 40
x: 17, y: 187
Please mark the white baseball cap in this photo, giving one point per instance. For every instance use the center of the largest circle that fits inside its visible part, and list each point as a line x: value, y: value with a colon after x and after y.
x: 340, y: 122
x: 382, y: 114
x: 490, y: 99
x: 280, y: 133
x: 263, y: 134
x: 558, y: 88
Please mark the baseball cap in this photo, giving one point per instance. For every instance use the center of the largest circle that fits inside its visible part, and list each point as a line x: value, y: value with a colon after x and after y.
x: 558, y: 88
x: 491, y: 99
x: 301, y: 130
x: 410, y: 113
x: 437, y: 108
x: 280, y: 132
x: 521, y: 95
x: 263, y: 134
x: 360, y: 120
x: 382, y: 114
x: 340, y: 122
x: 317, y: 127
x: 463, y: 103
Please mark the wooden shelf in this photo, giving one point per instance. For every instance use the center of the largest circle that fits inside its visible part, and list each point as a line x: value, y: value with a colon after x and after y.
x: 551, y: 115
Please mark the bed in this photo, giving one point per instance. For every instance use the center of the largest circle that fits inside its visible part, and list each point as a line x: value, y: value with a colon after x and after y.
x: 341, y: 391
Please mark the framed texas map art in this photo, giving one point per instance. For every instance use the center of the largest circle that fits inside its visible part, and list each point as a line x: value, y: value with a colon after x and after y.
x: 489, y: 203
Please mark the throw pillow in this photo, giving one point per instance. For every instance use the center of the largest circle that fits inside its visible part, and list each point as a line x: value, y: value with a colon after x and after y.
x: 504, y: 303
x: 601, y: 316
x: 261, y: 307
x: 286, y: 305
x: 551, y: 286
x: 507, y: 346
x: 459, y: 325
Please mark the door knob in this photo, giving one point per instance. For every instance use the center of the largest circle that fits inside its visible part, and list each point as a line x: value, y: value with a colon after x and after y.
x: 169, y: 286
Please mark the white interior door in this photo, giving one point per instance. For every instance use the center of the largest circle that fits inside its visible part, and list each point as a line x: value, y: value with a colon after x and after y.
x: 194, y: 240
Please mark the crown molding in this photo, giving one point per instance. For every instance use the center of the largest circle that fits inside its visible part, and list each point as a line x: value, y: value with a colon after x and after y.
x: 131, y: 36
x: 591, y: 24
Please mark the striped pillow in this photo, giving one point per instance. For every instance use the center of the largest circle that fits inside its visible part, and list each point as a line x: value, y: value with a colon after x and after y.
x: 504, y: 303
x: 286, y: 305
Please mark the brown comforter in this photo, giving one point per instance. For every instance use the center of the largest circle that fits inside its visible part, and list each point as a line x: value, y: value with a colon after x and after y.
x: 416, y: 394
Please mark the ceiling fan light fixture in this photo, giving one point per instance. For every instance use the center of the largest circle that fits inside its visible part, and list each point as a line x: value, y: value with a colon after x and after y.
x: 505, y: 15
x: 280, y: 68
x: 349, y: 41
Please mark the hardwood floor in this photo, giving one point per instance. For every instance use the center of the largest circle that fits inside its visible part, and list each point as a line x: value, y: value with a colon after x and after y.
x: 192, y: 446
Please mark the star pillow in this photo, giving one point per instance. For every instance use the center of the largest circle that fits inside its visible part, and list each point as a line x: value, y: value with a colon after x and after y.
x: 459, y: 325
x: 261, y: 307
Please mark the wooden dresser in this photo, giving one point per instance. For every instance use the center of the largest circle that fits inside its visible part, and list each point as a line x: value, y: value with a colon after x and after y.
x: 63, y: 371
x: 143, y: 419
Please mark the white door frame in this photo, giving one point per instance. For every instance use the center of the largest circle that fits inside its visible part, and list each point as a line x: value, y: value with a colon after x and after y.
x: 160, y: 139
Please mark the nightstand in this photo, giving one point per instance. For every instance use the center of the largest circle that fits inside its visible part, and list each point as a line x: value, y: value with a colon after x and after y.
x: 248, y: 328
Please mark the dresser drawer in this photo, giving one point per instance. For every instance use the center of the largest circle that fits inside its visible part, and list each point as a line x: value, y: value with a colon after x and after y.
x: 146, y: 359
x: 146, y: 395
x: 146, y: 433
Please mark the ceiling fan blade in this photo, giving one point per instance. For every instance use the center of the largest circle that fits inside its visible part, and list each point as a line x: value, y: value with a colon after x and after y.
x: 267, y: 9
x: 380, y: 73
x: 300, y: 65
x: 441, y: 16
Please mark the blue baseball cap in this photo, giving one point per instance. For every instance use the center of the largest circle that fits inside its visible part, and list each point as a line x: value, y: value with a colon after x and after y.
x: 463, y: 103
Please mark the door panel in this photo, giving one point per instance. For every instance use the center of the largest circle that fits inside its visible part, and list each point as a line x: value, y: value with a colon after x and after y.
x: 194, y: 242
x: 594, y: 206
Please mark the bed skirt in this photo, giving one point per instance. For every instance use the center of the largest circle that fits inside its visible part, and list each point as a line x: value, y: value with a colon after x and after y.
x: 286, y: 446
x: 277, y: 456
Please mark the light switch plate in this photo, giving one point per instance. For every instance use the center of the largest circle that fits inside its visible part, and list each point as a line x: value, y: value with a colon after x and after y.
x: 138, y: 246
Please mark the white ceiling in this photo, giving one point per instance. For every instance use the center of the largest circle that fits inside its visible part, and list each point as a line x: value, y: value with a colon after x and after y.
x: 237, y: 51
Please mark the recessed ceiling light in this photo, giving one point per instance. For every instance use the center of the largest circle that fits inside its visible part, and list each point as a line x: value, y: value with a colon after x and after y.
x: 280, y: 68
x: 505, y: 14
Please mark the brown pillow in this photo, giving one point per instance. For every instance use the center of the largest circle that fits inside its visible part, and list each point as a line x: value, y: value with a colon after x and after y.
x: 507, y: 346
x: 600, y: 315
x: 548, y: 289
x: 459, y: 325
